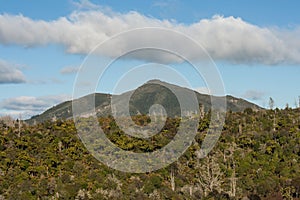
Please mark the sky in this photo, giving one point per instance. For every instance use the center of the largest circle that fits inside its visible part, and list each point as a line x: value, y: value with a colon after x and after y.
x: 255, y: 46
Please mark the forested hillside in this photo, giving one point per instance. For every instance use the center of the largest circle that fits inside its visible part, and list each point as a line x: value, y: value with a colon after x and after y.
x: 256, y: 157
x: 141, y: 99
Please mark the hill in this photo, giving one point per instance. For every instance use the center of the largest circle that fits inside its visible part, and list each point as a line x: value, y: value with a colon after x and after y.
x: 256, y: 157
x: 141, y: 99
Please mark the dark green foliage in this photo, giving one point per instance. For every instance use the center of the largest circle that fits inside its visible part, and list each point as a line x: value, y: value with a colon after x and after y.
x: 153, y: 182
x: 261, y: 149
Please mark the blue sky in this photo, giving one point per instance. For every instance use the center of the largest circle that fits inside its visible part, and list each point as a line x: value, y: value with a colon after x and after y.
x: 255, y: 44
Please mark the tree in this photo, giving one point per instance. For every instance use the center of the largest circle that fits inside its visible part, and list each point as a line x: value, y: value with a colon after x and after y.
x: 233, y: 178
x: 210, y: 176
x: 172, y: 177
x: 271, y: 103
x: 7, y: 121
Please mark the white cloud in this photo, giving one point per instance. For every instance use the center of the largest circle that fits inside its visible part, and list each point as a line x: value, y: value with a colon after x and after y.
x: 69, y: 70
x: 254, y: 95
x: 29, y: 105
x: 18, y: 114
x: 85, y: 4
x: 225, y: 38
x: 10, y: 74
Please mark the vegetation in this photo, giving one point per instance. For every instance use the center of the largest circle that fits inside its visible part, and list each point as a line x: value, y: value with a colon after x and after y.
x: 153, y: 92
x: 256, y: 157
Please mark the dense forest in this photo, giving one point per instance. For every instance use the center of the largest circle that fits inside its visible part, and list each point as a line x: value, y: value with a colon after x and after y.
x: 256, y: 157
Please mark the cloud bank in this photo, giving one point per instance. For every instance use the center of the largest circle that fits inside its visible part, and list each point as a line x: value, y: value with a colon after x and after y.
x: 28, y: 106
x: 10, y: 74
x: 225, y: 38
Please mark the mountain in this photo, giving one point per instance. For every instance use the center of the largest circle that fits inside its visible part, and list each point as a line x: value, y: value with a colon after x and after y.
x: 141, y: 100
